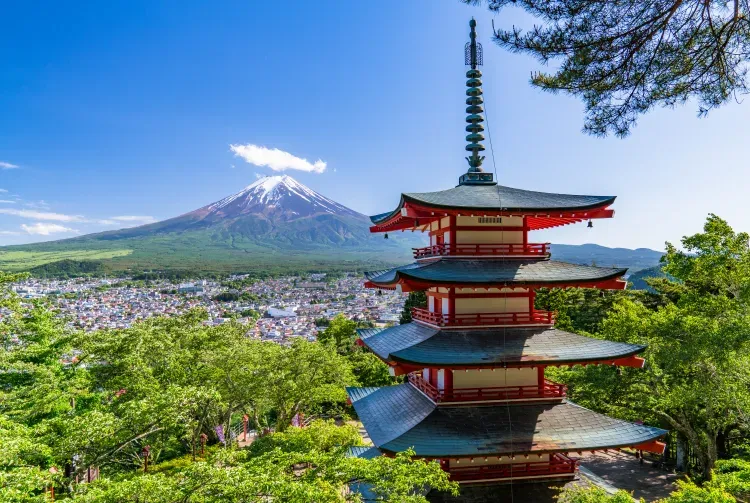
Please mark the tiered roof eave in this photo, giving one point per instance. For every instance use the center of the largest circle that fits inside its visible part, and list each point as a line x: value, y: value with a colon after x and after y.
x: 496, y: 272
x: 401, y: 417
x: 413, y: 346
x: 542, y: 210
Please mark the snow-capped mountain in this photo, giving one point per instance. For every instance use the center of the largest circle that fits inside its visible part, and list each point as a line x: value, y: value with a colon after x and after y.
x: 275, y: 196
x: 274, y: 223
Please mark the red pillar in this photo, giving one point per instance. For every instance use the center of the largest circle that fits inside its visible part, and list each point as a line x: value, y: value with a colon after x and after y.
x: 448, y: 381
x: 525, y: 233
x: 452, y: 230
x: 540, y: 379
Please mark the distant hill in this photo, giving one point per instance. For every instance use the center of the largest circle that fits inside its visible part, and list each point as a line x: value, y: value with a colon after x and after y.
x: 588, y: 254
x: 639, y: 278
x: 276, y: 225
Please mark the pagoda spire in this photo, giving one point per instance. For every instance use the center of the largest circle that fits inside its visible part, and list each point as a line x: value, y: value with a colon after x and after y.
x: 473, y: 58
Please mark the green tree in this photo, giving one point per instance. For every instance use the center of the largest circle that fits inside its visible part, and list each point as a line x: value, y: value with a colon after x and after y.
x: 340, y: 334
x: 415, y: 299
x: 296, y: 466
x: 698, y: 335
x: 593, y: 495
x: 624, y: 58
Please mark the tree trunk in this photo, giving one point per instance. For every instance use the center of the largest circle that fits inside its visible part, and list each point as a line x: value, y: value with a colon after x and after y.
x: 681, y: 463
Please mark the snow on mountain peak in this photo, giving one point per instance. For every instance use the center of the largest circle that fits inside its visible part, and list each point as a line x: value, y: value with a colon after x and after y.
x: 279, y: 193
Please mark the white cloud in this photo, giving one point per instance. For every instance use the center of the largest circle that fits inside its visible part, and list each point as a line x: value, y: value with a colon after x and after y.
x: 3, y: 190
x: 8, y: 201
x: 7, y: 165
x: 44, y: 229
x: 37, y: 205
x: 9, y: 233
x: 145, y: 219
x: 276, y: 159
x: 42, y: 215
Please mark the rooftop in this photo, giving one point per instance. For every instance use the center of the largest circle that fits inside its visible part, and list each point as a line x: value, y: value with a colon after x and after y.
x: 496, y: 272
x: 401, y: 417
x: 417, y: 344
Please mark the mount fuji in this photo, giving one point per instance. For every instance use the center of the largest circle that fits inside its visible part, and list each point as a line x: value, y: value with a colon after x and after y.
x: 275, y: 223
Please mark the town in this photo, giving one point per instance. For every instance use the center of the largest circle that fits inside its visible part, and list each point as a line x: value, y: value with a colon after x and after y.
x: 284, y: 308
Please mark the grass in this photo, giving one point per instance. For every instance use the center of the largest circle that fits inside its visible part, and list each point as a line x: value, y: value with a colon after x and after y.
x: 18, y: 260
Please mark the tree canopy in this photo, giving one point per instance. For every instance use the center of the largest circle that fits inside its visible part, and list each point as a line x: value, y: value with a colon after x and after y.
x: 117, y: 401
x: 697, y: 328
x: 624, y: 58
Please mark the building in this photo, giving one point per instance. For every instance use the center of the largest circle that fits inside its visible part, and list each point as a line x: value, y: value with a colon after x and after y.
x: 477, y: 398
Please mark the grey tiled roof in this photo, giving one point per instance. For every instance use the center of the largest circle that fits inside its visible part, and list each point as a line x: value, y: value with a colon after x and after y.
x: 498, y: 197
x: 421, y: 345
x: 485, y: 271
x: 400, y: 417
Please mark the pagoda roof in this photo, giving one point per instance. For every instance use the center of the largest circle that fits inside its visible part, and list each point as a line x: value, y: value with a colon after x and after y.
x: 498, y: 198
x: 401, y: 417
x: 494, y: 271
x: 417, y: 344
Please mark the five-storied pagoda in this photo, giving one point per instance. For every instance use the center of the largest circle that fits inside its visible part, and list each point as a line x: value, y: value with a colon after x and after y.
x: 477, y: 398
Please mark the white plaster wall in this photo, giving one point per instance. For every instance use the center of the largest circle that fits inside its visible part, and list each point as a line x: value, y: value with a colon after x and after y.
x: 489, y: 237
x: 487, y: 378
x: 492, y: 305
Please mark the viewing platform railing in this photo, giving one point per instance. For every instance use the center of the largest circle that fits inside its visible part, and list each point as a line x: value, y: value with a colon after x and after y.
x: 558, y: 464
x: 478, y: 319
x: 473, y: 250
x: 548, y: 389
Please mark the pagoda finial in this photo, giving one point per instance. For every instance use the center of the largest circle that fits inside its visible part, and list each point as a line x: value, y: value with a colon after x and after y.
x: 473, y: 58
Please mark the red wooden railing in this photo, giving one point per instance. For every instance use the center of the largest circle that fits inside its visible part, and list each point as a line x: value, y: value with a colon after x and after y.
x: 477, y: 319
x: 558, y: 464
x: 548, y: 389
x: 534, y: 249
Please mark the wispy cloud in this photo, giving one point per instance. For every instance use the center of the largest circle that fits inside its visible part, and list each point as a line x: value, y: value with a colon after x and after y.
x: 8, y: 201
x: 45, y: 229
x: 7, y: 165
x: 37, y: 205
x: 3, y: 190
x: 42, y: 215
x: 142, y: 219
x: 276, y: 159
x: 9, y: 233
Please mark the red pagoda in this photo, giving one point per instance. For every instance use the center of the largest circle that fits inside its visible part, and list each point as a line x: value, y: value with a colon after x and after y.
x: 476, y: 397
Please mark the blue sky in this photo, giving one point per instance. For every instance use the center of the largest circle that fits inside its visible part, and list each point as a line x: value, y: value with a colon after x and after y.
x: 117, y: 113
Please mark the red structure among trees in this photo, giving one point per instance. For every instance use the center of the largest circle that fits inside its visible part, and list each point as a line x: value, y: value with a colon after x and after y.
x: 476, y: 397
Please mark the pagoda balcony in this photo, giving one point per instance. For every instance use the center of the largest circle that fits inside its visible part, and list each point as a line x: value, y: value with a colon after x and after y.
x: 541, y: 250
x: 482, y: 319
x: 547, y: 390
x: 558, y: 465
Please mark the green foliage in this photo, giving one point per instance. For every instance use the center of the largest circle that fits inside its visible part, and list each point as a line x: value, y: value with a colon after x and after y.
x: 593, y: 495
x: 369, y: 369
x: 227, y: 297
x: 321, y: 435
x: 697, y: 329
x: 297, y: 466
x: 340, y: 334
x: 67, y: 268
x: 415, y: 299
x: 688, y: 492
x: 624, y: 58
